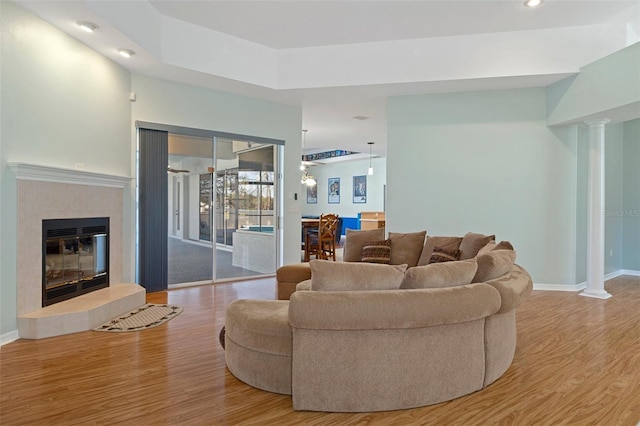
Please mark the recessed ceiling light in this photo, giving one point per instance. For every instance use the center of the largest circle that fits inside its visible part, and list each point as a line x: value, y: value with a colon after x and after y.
x: 361, y: 117
x: 126, y: 53
x: 532, y: 3
x: 87, y: 26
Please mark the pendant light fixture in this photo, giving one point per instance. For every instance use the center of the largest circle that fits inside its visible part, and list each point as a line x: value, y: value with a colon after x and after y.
x: 306, y: 177
x: 370, y: 172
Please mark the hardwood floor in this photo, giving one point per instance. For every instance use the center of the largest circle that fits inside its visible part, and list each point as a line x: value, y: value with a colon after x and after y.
x: 577, y: 363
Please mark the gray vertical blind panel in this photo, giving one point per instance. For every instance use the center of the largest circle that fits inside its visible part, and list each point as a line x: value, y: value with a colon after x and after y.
x: 153, y: 209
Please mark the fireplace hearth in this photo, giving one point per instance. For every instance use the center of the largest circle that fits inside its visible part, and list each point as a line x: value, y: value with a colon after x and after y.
x: 75, y: 257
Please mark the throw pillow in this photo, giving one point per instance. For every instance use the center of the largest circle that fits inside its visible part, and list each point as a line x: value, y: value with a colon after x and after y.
x: 472, y: 243
x: 355, y: 240
x: 503, y: 245
x: 494, y: 264
x: 377, y: 252
x: 449, y: 243
x: 490, y: 246
x: 406, y: 248
x: 339, y: 276
x: 438, y: 275
x: 443, y: 255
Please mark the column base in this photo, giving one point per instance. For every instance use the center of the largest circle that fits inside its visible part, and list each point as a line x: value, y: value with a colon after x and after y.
x: 596, y: 294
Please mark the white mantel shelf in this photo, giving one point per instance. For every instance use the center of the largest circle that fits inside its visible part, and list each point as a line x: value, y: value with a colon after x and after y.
x: 37, y: 172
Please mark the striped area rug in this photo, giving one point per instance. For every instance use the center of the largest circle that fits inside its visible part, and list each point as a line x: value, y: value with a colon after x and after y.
x: 146, y: 316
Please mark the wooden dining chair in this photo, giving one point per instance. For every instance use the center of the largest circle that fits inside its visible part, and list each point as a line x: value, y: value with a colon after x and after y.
x: 321, y: 243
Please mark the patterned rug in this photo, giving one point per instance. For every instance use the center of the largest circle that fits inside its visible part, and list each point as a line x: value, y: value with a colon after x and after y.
x: 146, y: 316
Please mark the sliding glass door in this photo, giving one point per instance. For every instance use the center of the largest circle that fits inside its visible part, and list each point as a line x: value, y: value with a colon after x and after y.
x: 207, y: 206
x: 222, y: 196
x: 245, y: 191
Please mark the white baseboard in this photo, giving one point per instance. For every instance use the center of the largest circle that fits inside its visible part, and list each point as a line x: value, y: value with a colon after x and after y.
x: 613, y: 274
x: 9, y: 337
x: 581, y: 286
x: 621, y: 272
x: 560, y: 287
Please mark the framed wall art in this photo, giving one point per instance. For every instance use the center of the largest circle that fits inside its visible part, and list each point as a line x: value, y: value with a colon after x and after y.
x: 334, y: 190
x: 360, y: 189
x: 312, y: 194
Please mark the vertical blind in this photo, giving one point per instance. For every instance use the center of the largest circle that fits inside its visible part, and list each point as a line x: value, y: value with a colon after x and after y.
x: 153, y: 209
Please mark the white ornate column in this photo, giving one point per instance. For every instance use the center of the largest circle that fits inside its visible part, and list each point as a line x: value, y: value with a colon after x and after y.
x: 595, y: 233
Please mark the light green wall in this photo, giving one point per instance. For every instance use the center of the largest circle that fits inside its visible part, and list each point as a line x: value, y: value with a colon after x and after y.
x: 631, y: 184
x: 613, y: 197
x: 177, y: 104
x: 485, y: 162
x: 50, y: 80
x: 346, y: 171
x: 608, y: 84
x: 605, y: 89
x: 62, y: 103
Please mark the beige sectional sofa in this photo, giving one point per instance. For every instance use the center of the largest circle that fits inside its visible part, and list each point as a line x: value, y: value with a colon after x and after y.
x: 362, y: 337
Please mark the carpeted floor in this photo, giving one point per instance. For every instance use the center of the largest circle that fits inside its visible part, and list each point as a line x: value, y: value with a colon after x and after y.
x: 189, y: 262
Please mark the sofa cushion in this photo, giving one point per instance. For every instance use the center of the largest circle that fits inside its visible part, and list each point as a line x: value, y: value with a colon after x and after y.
x: 406, y: 247
x: 377, y: 252
x: 340, y: 276
x: 449, y: 243
x: 260, y: 325
x: 355, y: 241
x: 443, y: 255
x: 472, y: 243
x: 438, y: 275
x: 494, y: 264
x: 304, y: 285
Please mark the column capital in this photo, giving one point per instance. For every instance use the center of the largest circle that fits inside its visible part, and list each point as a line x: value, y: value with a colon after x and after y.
x: 597, y: 123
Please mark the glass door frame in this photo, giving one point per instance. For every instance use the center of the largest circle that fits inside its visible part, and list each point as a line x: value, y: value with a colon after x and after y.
x: 278, y: 183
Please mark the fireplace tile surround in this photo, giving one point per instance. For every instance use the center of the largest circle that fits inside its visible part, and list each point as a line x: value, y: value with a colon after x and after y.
x: 54, y: 193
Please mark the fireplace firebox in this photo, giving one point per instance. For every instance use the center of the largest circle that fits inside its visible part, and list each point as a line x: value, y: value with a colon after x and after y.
x: 75, y: 257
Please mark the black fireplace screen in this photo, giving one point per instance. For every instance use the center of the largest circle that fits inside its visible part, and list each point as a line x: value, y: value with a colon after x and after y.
x: 75, y: 257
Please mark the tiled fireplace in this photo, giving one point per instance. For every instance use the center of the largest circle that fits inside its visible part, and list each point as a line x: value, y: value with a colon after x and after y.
x: 45, y: 193
x: 75, y: 257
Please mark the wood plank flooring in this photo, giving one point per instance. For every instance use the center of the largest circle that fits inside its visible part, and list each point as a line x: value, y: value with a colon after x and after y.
x: 577, y: 363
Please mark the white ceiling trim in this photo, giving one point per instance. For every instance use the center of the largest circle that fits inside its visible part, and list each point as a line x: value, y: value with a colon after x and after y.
x: 212, y: 52
x: 463, y: 57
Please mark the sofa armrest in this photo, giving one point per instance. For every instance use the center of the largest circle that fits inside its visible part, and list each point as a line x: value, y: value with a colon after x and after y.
x: 514, y: 288
x: 391, y: 309
x: 288, y: 276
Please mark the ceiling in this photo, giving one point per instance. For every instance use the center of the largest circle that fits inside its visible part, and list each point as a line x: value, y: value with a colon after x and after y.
x: 342, y: 59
